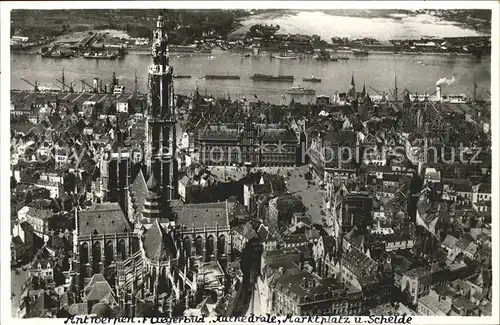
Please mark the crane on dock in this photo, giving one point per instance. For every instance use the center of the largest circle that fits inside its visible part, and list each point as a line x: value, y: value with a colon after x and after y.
x: 70, y: 87
x: 64, y: 84
x: 84, y: 83
x: 36, y: 89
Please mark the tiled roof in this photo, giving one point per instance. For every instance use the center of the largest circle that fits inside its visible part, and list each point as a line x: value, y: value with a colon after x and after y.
x: 450, y: 241
x: 185, y: 181
x: 39, y: 214
x: 100, y: 291
x: 200, y: 215
x: 464, y: 303
x: 278, y: 135
x: 263, y: 232
x: 292, y: 284
x: 463, y: 243
x: 158, y: 244
x: 484, y: 188
x: 98, y: 277
x: 101, y: 310
x: 43, y: 304
x: 103, y: 217
x: 139, y: 191
x: 435, y: 305
x: 246, y: 230
x: 359, y: 262
x: 419, y: 272
x: 17, y: 241
x: 463, y: 187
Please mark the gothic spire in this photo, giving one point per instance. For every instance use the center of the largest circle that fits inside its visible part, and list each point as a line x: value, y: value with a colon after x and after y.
x: 160, y: 43
x: 152, y: 184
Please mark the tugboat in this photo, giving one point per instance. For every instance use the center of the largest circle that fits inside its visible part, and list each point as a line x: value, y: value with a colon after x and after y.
x: 300, y: 91
x: 325, y: 56
x: 312, y: 79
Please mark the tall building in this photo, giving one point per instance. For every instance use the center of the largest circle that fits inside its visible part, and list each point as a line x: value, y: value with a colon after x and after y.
x: 161, y: 136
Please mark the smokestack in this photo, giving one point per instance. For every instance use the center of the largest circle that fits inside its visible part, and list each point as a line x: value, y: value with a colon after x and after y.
x: 438, y: 93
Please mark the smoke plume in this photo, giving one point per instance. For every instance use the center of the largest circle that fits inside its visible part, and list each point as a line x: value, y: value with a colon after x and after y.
x: 445, y: 81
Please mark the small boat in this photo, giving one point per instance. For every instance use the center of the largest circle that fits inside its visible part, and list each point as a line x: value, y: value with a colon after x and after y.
x: 342, y: 58
x: 285, y: 57
x: 211, y: 57
x: 300, y: 91
x: 312, y: 79
x: 360, y: 52
x: 179, y: 76
x: 247, y: 55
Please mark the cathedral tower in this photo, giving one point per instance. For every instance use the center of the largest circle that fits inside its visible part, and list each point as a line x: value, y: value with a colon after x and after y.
x: 161, y: 139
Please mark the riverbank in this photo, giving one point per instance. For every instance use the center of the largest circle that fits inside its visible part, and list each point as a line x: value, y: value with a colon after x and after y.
x: 267, y: 51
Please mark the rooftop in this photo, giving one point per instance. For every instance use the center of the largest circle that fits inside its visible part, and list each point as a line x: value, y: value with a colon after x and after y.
x: 200, y: 215
x: 103, y: 218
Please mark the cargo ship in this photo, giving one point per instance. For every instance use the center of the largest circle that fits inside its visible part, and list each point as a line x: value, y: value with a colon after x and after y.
x: 221, y: 77
x: 100, y: 55
x: 265, y: 77
x: 312, y: 79
x: 57, y: 55
x: 300, y: 91
x: 180, y: 76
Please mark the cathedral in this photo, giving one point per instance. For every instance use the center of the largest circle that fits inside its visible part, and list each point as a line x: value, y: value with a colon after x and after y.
x: 161, y: 254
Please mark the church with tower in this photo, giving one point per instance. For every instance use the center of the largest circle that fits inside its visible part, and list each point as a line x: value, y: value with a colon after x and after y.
x: 149, y: 246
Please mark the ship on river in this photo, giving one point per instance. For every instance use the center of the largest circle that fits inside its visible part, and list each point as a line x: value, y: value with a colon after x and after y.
x: 266, y: 77
x: 180, y: 76
x: 312, y: 79
x: 57, y: 55
x: 100, y: 55
x: 221, y: 77
x: 300, y: 91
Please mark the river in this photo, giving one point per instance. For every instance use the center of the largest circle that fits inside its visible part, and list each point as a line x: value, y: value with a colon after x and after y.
x: 417, y: 73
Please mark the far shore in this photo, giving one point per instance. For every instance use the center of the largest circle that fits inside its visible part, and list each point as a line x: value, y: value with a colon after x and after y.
x: 143, y: 51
